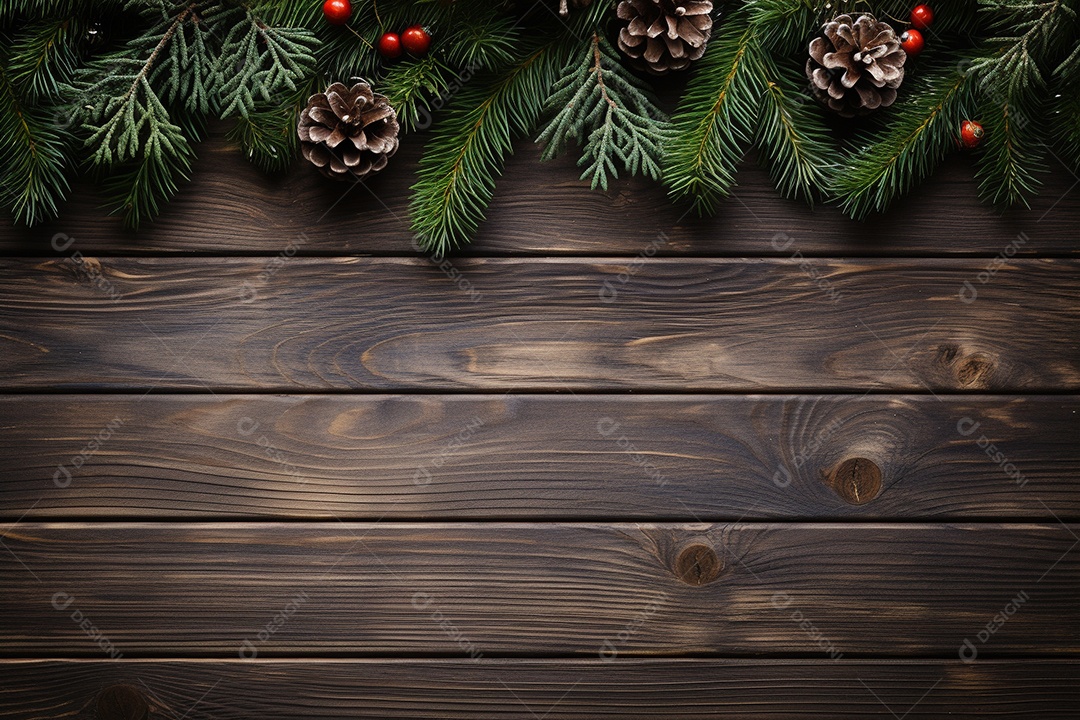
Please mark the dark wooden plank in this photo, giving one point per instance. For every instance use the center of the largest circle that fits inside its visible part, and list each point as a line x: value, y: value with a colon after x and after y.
x: 387, y: 323
x: 530, y: 689
x: 544, y: 208
x: 743, y: 588
x: 537, y: 456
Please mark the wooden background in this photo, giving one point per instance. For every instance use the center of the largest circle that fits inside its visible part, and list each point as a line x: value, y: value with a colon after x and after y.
x: 263, y: 459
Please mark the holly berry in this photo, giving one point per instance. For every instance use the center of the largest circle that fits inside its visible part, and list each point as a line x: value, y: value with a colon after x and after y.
x: 912, y: 42
x: 971, y: 134
x: 416, y: 40
x: 922, y: 17
x: 337, y: 12
x: 390, y: 45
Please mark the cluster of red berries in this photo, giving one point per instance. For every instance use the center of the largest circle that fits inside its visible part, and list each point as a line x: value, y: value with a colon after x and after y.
x: 912, y: 40
x: 415, y: 39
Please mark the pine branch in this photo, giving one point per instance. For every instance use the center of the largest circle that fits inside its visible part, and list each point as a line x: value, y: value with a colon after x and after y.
x: 44, y: 52
x: 1037, y: 31
x: 139, y: 188
x: 257, y: 58
x: 184, y: 68
x: 603, y: 107
x: 1013, y: 81
x: 129, y: 125
x: 1012, y: 154
x: 415, y: 88
x: 919, y: 132
x: 459, y: 166
x: 267, y: 135
x: 485, y: 42
x: 715, y: 119
x: 34, y: 178
x: 792, y: 135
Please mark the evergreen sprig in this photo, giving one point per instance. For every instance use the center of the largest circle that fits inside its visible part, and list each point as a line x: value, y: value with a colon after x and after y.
x: 601, y: 106
x: 127, y: 122
x: 716, y: 117
x: 457, y: 173
x: 34, y: 179
x: 919, y: 131
x: 44, y: 55
x: 792, y: 135
x: 260, y: 60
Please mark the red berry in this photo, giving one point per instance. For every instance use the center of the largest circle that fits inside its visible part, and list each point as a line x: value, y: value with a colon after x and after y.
x: 971, y: 133
x: 390, y: 46
x: 912, y: 42
x: 921, y: 17
x: 416, y: 40
x: 337, y: 12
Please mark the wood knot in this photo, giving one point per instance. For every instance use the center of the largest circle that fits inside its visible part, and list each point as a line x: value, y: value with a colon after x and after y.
x: 856, y: 480
x: 969, y: 369
x: 698, y: 564
x: 121, y: 702
x: 974, y: 370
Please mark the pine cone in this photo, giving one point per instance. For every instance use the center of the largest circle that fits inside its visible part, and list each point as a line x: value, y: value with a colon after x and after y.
x: 665, y: 34
x: 855, y: 67
x: 348, y: 132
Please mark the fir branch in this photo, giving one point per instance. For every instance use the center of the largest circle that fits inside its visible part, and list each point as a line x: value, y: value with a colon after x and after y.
x: 792, y: 136
x: 485, y: 42
x: 138, y: 189
x: 184, y: 68
x: 414, y: 89
x: 34, y: 179
x: 129, y: 125
x: 267, y: 135
x: 458, y: 169
x: 1037, y: 31
x: 602, y: 106
x: 715, y: 119
x: 1011, y: 154
x: 44, y: 53
x: 258, y: 58
x: 919, y: 131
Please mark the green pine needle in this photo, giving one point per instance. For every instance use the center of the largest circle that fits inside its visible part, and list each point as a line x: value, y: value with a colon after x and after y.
x: 44, y: 54
x: 458, y: 169
x: 599, y: 104
x: 793, y: 137
x: 418, y: 88
x: 34, y: 179
x: 1011, y: 155
x: 1035, y: 32
x: 267, y: 135
x: 920, y: 130
x: 715, y: 120
x: 484, y: 42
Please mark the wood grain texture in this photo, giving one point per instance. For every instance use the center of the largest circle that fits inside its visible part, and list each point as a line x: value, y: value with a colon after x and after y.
x: 390, y: 323
x: 468, y: 589
x: 559, y: 690
x: 535, y: 456
x: 544, y: 208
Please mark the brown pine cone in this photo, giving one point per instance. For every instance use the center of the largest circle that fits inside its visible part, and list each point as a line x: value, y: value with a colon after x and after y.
x: 665, y: 34
x: 348, y: 132
x: 856, y: 66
